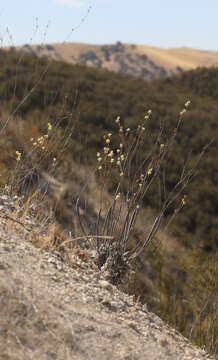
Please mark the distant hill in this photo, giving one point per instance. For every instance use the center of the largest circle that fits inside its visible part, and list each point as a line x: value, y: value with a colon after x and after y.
x: 137, y: 60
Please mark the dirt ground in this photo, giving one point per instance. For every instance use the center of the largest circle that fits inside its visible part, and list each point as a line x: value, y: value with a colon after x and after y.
x: 49, y: 311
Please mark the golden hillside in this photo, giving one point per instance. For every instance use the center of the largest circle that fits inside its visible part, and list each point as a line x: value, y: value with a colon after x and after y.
x: 137, y: 60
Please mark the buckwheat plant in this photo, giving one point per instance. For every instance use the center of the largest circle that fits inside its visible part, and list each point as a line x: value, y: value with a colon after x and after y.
x: 122, y: 159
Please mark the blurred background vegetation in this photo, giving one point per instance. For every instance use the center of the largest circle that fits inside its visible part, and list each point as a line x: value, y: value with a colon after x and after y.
x: 179, y: 281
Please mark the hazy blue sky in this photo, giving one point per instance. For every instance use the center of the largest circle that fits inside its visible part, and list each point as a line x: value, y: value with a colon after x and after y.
x: 164, y: 23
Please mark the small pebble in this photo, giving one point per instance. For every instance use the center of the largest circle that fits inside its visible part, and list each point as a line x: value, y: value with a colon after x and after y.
x: 106, y: 285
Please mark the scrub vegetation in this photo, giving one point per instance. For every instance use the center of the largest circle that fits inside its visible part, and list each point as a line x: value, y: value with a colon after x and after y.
x: 125, y: 167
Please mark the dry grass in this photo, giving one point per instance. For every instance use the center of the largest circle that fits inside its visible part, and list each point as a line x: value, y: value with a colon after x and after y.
x: 169, y: 59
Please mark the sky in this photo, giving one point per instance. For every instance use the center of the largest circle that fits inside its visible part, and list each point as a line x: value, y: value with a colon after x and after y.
x: 160, y: 23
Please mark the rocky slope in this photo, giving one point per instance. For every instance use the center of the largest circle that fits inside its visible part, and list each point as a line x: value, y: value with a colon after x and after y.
x: 50, y: 310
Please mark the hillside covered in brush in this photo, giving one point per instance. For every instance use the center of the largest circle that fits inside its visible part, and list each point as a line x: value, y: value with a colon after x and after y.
x: 54, y: 117
x: 39, y: 91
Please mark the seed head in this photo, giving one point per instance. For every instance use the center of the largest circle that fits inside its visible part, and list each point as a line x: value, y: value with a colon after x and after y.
x: 117, y: 196
x: 183, y: 112
x: 18, y: 156
x: 106, y: 150
x: 187, y: 104
x: 49, y: 126
x: 150, y: 171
